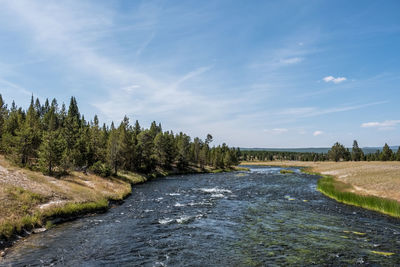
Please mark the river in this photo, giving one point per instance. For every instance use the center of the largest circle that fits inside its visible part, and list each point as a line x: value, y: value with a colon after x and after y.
x: 254, y: 218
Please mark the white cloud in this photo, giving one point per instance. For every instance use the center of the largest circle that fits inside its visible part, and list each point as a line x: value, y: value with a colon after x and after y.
x: 276, y: 130
x: 385, y: 125
x: 316, y: 133
x: 334, y: 80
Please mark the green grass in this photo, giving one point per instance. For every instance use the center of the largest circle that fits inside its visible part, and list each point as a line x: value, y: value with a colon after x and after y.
x: 25, y: 197
x: 76, y: 209
x: 15, y: 226
x: 335, y: 189
x: 240, y: 168
x: 284, y: 171
x: 229, y: 169
x: 131, y: 178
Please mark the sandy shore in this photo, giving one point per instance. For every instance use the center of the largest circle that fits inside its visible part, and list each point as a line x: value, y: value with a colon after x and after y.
x: 375, y: 178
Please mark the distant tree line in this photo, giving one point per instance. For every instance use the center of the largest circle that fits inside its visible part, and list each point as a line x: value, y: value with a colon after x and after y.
x: 56, y: 140
x: 338, y: 152
x: 259, y: 155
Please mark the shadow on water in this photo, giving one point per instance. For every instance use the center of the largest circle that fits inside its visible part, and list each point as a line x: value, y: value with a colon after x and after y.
x: 251, y: 218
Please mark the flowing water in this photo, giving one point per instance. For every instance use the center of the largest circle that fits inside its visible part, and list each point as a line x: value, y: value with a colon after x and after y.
x: 254, y: 218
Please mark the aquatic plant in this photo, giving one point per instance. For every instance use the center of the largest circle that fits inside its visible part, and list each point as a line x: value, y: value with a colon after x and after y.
x: 382, y: 253
x: 285, y: 171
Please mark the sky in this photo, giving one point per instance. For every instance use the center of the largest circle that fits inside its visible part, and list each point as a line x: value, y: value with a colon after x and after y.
x: 251, y: 73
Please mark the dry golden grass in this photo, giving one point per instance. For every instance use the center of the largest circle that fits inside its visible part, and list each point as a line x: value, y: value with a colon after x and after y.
x: 377, y: 178
x: 27, y: 193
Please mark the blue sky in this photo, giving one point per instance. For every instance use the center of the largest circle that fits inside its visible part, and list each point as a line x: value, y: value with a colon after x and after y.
x: 251, y: 73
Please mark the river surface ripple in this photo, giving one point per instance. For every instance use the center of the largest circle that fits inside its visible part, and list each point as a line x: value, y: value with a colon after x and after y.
x: 254, y: 218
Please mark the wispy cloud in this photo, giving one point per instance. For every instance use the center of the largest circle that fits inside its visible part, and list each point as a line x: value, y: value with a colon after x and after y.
x: 135, y: 91
x: 293, y: 60
x: 131, y: 88
x: 282, y: 57
x: 316, y: 133
x: 276, y: 130
x: 337, y: 80
x: 315, y: 111
x: 384, y: 125
x: 13, y: 86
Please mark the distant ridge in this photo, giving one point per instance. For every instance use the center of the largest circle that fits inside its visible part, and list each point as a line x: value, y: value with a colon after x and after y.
x: 367, y: 150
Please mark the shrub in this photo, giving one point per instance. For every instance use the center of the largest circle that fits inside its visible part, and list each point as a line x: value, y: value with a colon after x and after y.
x: 101, y: 169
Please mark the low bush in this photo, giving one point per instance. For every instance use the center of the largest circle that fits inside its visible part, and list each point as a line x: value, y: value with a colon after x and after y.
x: 101, y: 169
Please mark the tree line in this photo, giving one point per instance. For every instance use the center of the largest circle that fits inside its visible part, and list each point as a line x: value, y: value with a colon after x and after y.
x: 56, y: 140
x: 338, y: 152
x: 259, y: 155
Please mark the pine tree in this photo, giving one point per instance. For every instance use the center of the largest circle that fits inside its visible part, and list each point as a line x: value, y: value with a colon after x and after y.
x: 160, y: 150
x: 3, y: 116
x: 195, y: 150
x: 356, y: 154
x: 209, y: 139
x: 227, y: 159
x: 338, y: 152
x: 398, y: 154
x: 145, y: 151
x: 217, y: 158
x: 126, y: 146
x: 71, y: 132
x: 38, y: 108
x: 183, y: 149
x: 28, y: 137
x: 154, y: 129
x: 52, y: 147
x: 81, y: 151
x: 96, y: 147
x: 11, y: 126
x: 170, y: 148
x: 113, y: 149
x: 46, y: 107
x: 387, y: 153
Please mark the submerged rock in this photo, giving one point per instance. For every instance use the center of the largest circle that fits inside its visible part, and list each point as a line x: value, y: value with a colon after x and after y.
x: 39, y: 230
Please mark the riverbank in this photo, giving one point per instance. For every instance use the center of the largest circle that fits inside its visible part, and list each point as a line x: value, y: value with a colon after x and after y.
x: 371, y: 185
x: 31, y: 202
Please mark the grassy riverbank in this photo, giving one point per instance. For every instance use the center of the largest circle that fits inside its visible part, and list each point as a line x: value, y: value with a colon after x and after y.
x: 337, y: 190
x: 370, y: 185
x: 31, y: 201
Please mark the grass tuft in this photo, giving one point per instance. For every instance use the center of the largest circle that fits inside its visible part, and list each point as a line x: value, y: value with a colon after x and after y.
x: 284, y: 171
x: 334, y: 189
x: 75, y: 209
